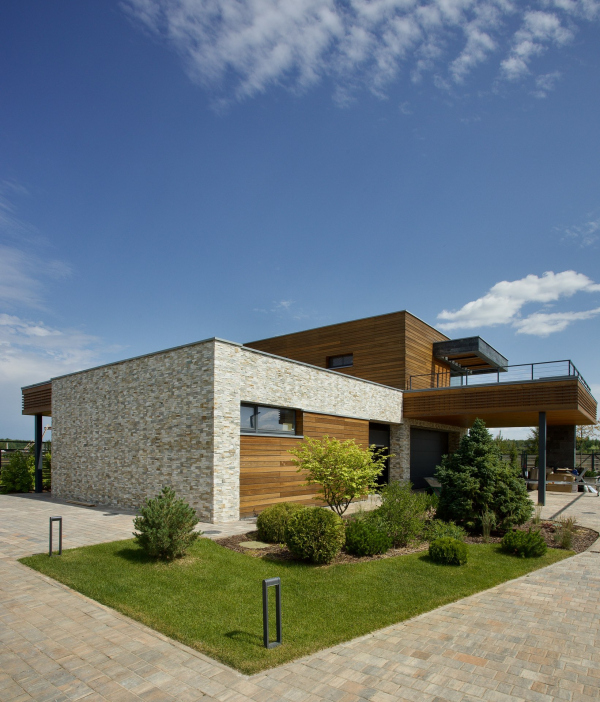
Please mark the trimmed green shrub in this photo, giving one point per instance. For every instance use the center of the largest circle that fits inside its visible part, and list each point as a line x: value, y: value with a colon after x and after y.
x: 402, y: 513
x: 475, y: 481
x: 363, y: 539
x: 315, y: 534
x: 271, y: 522
x: 526, y: 544
x: 448, y: 551
x: 165, y: 526
x: 438, y: 529
x: 17, y: 476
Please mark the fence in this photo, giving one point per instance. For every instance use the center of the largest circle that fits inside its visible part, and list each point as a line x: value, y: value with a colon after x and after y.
x: 589, y: 461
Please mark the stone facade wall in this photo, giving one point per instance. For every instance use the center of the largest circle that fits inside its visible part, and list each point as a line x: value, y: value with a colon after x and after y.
x: 121, y: 432
x: 245, y: 375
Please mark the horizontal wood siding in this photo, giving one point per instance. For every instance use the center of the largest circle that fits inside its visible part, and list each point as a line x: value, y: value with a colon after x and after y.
x: 378, y: 346
x: 420, y: 338
x: 267, y: 474
x: 38, y: 400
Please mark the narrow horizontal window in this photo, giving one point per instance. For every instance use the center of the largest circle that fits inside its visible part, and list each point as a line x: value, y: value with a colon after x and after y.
x: 262, y: 419
x: 340, y: 361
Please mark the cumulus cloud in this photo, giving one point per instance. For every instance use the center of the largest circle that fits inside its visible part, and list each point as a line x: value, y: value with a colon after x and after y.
x: 505, y: 300
x: 244, y: 47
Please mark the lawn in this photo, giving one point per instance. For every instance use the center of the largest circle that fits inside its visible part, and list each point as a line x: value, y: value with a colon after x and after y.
x: 211, y: 600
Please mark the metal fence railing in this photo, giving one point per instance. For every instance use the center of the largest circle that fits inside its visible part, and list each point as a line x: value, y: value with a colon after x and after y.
x: 522, y: 372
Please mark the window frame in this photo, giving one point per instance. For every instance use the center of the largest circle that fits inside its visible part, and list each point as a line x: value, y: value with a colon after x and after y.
x: 340, y: 355
x: 267, y: 432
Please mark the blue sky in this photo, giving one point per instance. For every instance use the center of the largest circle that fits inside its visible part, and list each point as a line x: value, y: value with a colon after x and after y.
x: 172, y: 170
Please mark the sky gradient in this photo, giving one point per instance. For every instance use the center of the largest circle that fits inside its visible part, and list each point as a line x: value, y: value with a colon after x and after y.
x: 177, y: 170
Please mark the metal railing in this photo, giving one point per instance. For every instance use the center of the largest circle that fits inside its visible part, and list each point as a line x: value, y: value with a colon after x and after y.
x: 522, y: 372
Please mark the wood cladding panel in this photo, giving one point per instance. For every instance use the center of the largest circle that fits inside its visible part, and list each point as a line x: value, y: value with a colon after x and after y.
x: 564, y: 401
x: 38, y: 400
x: 382, y: 347
x: 267, y: 474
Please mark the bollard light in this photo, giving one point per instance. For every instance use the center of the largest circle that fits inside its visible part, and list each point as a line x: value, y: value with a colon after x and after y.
x: 59, y: 520
x: 266, y: 584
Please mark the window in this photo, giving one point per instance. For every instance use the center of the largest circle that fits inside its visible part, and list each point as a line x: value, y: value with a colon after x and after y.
x: 269, y: 420
x: 340, y: 361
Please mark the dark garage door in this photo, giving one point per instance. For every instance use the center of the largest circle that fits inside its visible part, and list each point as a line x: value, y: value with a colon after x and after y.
x: 426, y: 451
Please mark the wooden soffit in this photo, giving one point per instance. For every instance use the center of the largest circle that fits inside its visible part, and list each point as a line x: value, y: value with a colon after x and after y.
x: 565, y: 401
x: 37, y: 399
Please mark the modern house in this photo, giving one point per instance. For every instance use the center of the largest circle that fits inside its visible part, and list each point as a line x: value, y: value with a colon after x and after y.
x: 216, y: 419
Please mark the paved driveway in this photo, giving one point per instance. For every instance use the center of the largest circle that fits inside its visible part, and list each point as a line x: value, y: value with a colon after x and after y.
x: 536, y: 638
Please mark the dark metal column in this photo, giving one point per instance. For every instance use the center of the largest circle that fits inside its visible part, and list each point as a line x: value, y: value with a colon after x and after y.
x: 542, y: 460
x: 38, y: 453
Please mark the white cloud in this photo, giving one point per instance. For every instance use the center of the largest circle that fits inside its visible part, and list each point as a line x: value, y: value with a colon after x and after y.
x: 585, y: 234
x: 505, y: 300
x: 242, y: 48
x: 545, y: 83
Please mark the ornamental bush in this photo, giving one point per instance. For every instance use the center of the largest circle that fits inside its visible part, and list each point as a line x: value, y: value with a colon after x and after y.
x: 475, y: 481
x: 448, y: 551
x: 363, y: 539
x: 402, y: 513
x: 315, y: 534
x: 526, y: 544
x: 271, y: 522
x: 437, y: 529
x: 17, y: 476
x: 165, y: 526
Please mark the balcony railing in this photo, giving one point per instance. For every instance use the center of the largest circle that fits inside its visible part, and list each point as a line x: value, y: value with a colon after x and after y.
x: 523, y: 372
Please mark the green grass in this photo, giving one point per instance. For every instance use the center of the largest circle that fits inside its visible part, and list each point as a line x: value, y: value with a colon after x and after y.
x: 211, y: 600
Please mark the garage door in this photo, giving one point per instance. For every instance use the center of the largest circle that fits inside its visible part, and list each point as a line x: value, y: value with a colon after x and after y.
x: 426, y: 451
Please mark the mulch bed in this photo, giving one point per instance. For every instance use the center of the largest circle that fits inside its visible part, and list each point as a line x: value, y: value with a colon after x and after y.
x: 582, y: 539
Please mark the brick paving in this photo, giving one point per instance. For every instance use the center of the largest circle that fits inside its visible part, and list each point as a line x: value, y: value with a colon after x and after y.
x: 535, y: 638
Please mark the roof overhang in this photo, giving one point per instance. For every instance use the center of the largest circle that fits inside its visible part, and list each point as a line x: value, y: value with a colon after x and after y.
x: 37, y: 399
x: 566, y: 402
x: 471, y: 354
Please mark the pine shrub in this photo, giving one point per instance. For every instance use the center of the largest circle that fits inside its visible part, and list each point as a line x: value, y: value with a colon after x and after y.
x: 17, y: 475
x: 437, y: 529
x: 363, y: 539
x: 315, y: 534
x: 165, y: 526
x: 526, y: 544
x: 448, y: 551
x: 271, y: 522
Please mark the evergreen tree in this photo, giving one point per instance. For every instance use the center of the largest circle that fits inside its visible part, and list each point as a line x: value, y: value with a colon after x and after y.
x: 475, y: 480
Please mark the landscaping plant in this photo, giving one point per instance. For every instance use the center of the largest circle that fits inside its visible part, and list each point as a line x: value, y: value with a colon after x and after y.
x: 17, y: 476
x: 526, y: 544
x: 342, y: 470
x: 165, y: 526
x: 315, y: 534
x: 402, y: 513
x: 363, y: 539
x: 475, y: 480
x: 271, y: 522
x: 448, y: 551
x: 563, y: 536
x: 437, y: 529
x: 488, y: 522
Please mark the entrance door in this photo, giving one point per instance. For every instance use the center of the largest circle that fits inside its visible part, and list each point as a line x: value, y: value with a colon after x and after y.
x: 426, y: 450
x: 379, y: 434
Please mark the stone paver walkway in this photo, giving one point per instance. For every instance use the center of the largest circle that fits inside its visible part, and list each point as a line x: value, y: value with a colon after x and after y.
x: 536, y: 638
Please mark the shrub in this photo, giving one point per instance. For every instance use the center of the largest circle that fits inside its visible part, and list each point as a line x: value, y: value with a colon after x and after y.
x: 315, y: 534
x: 563, y: 535
x: 475, y: 480
x: 17, y: 476
x: 165, y: 526
x: 526, y: 544
x: 271, y: 522
x: 448, y: 551
x: 341, y: 470
x: 488, y: 522
x: 437, y: 529
x: 401, y: 514
x: 363, y: 539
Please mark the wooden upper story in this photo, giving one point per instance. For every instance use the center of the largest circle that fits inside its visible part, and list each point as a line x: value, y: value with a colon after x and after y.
x: 386, y: 349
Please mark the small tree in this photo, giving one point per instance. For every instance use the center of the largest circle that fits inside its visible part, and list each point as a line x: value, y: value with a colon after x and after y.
x: 17, y: 476
x: 165, y: 526
x: 475, y: 481
x: 343, y: 470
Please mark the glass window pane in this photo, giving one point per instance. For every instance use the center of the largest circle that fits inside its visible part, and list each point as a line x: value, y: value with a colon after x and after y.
x: 341, y: 361
x: 276, y: 419
x: 247, y: 418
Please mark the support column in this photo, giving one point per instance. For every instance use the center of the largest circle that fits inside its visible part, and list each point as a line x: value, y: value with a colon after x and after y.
x: 39, y: 420
x: 542, y: 460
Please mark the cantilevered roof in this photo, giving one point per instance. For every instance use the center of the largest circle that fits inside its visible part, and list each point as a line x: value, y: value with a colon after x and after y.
x: 471, y: 354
